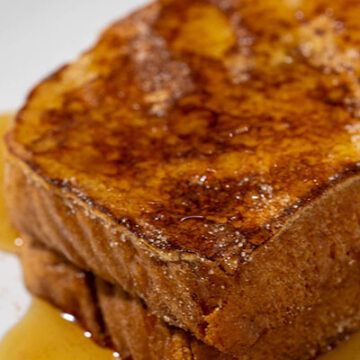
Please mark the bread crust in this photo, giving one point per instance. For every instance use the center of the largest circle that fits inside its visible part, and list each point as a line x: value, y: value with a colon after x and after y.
x: 122, y: 322
x: 114, y: 318
x: 320, y: 264
x: 187, y: 173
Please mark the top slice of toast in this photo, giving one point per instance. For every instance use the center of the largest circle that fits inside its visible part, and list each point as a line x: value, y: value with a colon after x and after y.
x: 219, y: 141
x: 203, y: 125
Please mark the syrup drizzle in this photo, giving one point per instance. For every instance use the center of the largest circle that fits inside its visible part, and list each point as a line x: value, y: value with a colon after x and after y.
x: 45, y: 333
x: 8, y: 234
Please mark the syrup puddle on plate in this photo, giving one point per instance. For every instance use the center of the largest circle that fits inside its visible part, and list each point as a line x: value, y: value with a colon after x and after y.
x: 43, y: 333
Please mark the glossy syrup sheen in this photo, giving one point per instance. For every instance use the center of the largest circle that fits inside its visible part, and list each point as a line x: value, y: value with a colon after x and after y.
x: 349, y: 350
x: 204, y: 124
x: 44, y: 334
x: 8, y: 234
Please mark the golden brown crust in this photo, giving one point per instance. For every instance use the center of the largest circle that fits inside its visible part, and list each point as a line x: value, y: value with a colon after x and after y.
x: 184, y: 120
x: 298, y: 279
x: 129, y: 327
x: 52, y: 277
x: 114, y: 318
x: 196, y: 173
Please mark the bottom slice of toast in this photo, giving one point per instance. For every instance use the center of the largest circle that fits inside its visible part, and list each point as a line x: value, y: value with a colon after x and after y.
x: 122, y: 322
x: 114, y: 318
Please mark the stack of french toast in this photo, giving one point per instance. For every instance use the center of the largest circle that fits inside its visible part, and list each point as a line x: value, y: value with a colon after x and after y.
x: 188, y: 188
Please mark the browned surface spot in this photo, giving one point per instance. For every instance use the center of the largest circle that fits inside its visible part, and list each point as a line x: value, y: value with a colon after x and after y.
x: 204, y: 123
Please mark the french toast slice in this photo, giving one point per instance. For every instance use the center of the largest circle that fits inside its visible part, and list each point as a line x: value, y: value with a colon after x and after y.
x: 122, y: 322
x: 204, y: 155
x: 114, y: 318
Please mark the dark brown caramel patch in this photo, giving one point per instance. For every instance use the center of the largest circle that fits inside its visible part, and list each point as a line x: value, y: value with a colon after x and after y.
x: 202, y: 125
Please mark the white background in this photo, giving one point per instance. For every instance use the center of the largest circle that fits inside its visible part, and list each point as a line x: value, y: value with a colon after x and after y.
x: 37, y: 36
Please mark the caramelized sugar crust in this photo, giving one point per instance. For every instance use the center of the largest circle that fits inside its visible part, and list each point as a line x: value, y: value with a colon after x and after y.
x: 203, y: 125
